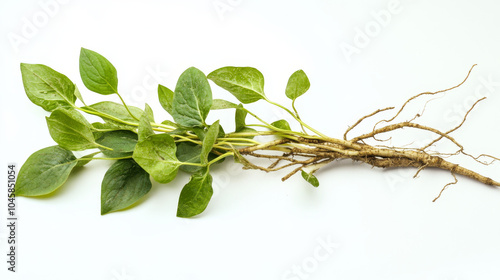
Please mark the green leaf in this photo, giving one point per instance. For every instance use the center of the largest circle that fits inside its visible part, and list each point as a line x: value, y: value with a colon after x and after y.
x: 98, y: 74
x: 195, y: 195
x: 70, y: 130
x: 149, y: 113
x: 298, y: 84
x: 221, y: 134
x: 170, y: 123
x: 156, y: 155
x: 310, y: 178
x: 239, y: 118
x: 116, y: 110
x: 281, y: 124
x: 78, y: 95
x: 166, y: 96
x: 124, y: 184
x: 46, y: 87
x: 178, y: 131
x: 245, y: 83
x: 220, y: 104
x: 189, y: 152
x: 121, y: 141
x: 200, y: 132
x: 45, y: 171
x: 209, y: 141
x: 192, y: 98
x: 145, y: 130
x: 97, y: 127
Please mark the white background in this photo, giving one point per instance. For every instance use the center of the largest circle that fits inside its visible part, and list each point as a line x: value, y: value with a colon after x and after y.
x: 376, y: 224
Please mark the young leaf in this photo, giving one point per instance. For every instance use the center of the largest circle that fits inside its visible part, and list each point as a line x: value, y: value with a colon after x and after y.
x: 46, y: 87
x: 156, y: 155
x: 298, y: 84
x: 195, y: 195
x: 245, y: 83
x: 166, y: 96
x: 145, y: 130
x: 209, y: 141
x: 219, y: 104
x: 98, y: 74
x: 239, y: 118
x: 192, y: 98
x: 281, y: 124
x: 310, y: 178
x: 116, y: 110
x: 121, y: 141
x: 70, y: 130
x: 124, y: 184
x: 45, y: 171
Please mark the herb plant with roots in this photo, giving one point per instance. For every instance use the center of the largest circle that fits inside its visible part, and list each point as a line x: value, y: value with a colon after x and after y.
x: 143, y: 148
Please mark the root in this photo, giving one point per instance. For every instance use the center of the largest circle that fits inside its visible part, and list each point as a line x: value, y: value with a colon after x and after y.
x: 314, y: 151
x: 446, y: 186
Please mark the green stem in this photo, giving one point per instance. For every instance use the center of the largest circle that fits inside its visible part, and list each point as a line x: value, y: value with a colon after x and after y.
x: 296, y: 118
x: 297, y: 114
x: 219, y: 158
x: 104, y: 115
x: 104, y: 147
x: 126, y: 107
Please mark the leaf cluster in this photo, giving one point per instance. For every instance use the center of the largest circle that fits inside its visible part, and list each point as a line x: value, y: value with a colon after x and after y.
x: 140, y: 147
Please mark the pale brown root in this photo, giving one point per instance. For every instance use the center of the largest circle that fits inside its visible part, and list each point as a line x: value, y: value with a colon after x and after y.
x: 446, y: 186
x: 365, y: 117
x: 313, y: 152
x: 425, y: 93
x: 455, y: 128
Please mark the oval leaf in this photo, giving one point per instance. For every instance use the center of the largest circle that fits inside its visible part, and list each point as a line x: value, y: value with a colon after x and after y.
x: 46, y: 87
x: 98, y: 74
x: 298, y: 84
x: 156, y: 155
x: 121, y: 141
x: 245, y: 83
x: 166, y: 96
x: 195, y: 195
x: 45, y: 171
x: 281, y: 124
x: 192, y: 98
x: 124, y: 184
x: 311, y: 179
x: 70, y: 130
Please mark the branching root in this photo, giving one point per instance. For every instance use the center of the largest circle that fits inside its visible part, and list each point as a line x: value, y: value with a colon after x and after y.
x: 306, y: 151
